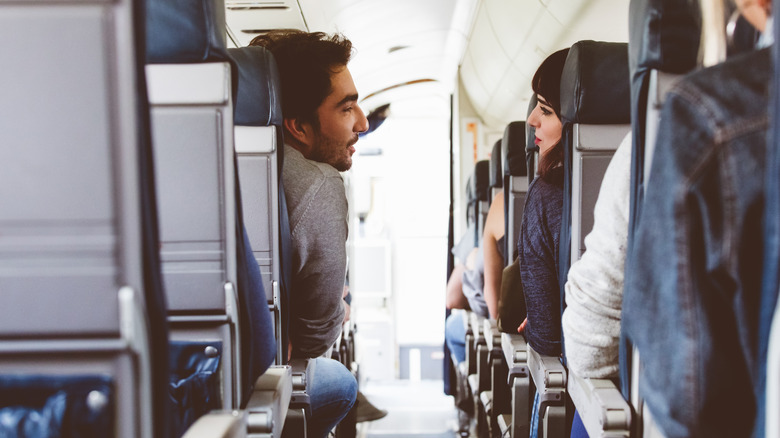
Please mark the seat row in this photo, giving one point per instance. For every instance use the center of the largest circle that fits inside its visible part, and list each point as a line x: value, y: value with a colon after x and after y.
x: 611, y: 93
x: 142, y: 239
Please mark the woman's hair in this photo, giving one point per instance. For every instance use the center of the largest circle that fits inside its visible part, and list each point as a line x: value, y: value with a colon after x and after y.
x: 547, y: 83
x: 306, y: 61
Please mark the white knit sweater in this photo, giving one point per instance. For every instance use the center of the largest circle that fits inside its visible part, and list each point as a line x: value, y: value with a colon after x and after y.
x: 594, y: 287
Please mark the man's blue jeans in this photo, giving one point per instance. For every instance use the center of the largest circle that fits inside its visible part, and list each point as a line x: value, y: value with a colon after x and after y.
x: 455, y: 335
x: 332, y: 391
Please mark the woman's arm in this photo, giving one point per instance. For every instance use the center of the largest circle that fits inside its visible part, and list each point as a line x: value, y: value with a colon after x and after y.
x: 494, y: 262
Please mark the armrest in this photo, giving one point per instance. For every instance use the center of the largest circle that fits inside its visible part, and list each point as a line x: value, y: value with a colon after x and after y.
x: 492, y: 335
x: 301, y: 370
x: 547, y: 371
x: 477, y: 322
x: 549, y: 376
x: 601, y: 406
x: 218, y: 425
x: 516, y: 355
x: 267, y: 406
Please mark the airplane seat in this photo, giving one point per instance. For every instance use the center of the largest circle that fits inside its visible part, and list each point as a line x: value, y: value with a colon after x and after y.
x: 663, y: 45
x: 531, y: 149
x: 595, y: 117
x: 512, y: 410
x: 259, y: 145
x: 515, y: 185
x: 189, y: 81
x: 495, y: 177
x: 258, y: 141
x: 769, y: 325
x: 481, y: 189
x: 83, y: 334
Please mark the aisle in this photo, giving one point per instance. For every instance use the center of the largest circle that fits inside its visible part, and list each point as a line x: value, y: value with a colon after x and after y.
x: 415, y: 410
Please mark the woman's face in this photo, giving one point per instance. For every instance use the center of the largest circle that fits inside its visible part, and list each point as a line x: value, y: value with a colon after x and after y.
x: 547, y: 125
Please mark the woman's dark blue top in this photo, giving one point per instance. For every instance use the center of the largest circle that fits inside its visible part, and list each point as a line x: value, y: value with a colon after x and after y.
x: 538, y: 252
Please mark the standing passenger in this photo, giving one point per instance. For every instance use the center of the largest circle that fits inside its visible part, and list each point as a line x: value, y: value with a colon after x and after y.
x: 540, y: 229
x: 322, y: 121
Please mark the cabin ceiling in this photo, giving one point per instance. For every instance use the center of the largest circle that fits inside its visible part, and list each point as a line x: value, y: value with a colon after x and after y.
x: 510, y: 38
x: 410, y: 48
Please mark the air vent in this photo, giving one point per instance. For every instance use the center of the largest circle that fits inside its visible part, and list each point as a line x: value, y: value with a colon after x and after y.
x: 255, y: 31
x: 396, y: 48
x: 251, y: 5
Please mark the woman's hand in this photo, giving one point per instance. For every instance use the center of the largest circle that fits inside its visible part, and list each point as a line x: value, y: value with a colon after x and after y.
x: 521, y: 329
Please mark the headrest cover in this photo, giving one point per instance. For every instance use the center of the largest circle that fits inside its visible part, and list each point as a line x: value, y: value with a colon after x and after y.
x: 258, y: 100
x: 185, y: 31
x: 530, y: 131
x: 496, y: 176
x: 480, y: 180
x: 595, y: 86
x: 664, y: 35
x: 513, y: 149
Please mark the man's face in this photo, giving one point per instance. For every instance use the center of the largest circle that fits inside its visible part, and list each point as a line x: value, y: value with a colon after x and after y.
x: 340, y: 120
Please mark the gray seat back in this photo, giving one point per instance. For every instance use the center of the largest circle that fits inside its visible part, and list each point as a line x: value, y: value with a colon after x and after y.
x: 189, y: 82
x: 496, y: 176
x: 73, y: 277
x: 258, y: 143
x: 595, y: 108
x: 481, y: 189
x: 516, y: 183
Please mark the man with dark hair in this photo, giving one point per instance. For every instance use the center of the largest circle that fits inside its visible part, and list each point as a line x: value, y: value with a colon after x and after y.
x: 321, y: 125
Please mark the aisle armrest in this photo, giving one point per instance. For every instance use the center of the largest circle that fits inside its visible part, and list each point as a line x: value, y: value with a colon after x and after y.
x: 268, y: 404
x: 516, y: 355
x: 301, y: 371
x: 601, y: 406
x: 549, y: 376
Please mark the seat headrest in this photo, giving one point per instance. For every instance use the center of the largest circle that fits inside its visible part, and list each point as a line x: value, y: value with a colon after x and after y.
x: 664, y: 35
x: 481, y: 179
x: 185, y: 31
x: 258, y: 100
x: 513, y: 149
x: 595, y: 86
x: 496, y: 176
x: 530, y: 145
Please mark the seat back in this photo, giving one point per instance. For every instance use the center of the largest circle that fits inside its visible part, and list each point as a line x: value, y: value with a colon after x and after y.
x: 595, y: 108
x: 495, y: 177
x: 259, y: 146
x: 481, y: 189
x: 769, y: 347
x: 664, y: 41
x: 531, y: 149
x: 78, y: 255
x: 515, y: 169
x: 663, y: 44
x: 192, y: 117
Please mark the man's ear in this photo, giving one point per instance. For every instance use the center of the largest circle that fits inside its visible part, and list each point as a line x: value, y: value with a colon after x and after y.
x: 299, y: 131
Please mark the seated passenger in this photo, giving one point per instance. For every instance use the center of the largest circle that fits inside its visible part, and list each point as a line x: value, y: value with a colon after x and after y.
x: 321, y: 125
x: 472, y: 282
x: 693, y: 279
x: 540, y: 229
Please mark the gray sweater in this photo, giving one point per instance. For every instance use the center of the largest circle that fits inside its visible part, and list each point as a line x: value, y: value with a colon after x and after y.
x: 317, y: 206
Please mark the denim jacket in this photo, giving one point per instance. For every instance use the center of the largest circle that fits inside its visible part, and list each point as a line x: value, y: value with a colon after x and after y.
x: 693, y: 277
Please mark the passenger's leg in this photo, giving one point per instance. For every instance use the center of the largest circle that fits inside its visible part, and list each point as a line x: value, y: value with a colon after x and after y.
x: 332, y: 391
x: 535, y: 417
x: 455, y: 335
x: 577, y: 428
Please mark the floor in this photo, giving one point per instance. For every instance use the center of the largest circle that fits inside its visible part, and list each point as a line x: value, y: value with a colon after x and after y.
x: 416, y: 409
